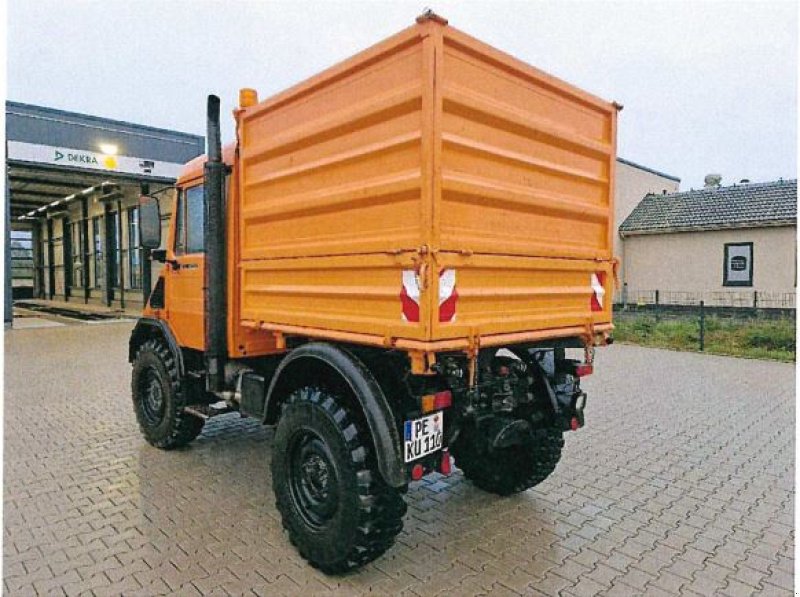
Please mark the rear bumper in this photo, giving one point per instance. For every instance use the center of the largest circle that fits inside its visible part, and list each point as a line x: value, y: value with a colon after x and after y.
x: 599, y: 333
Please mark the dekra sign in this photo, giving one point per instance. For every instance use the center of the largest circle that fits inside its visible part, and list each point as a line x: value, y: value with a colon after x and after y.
x: 81, y: 158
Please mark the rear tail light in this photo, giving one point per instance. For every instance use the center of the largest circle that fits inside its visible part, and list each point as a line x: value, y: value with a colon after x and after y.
x: 417, y: 471
x: 446, y: 466
x: 442, y: 400
x: 437, y: 401
x: 584, y: 369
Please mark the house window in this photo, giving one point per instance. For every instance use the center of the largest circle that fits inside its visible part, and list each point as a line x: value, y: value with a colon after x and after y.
x: 737, y: 268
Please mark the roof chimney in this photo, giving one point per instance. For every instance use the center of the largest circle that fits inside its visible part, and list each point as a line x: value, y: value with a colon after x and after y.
x: 713, y: 181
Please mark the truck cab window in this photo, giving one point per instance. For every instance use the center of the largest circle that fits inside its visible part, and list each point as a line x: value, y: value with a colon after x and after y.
x: 189, y: 221
x: 180, y: 242
x: 194, y: 219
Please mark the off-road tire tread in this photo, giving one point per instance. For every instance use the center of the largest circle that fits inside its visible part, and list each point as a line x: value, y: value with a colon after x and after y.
x: 381, y: 507
x: 510, y: 470
x: 185, y: 427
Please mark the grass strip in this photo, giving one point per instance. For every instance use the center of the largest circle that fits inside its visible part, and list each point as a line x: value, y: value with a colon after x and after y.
x: 752, y: 338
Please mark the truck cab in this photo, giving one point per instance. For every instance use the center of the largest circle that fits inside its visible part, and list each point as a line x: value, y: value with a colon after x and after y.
x: 184, y: 260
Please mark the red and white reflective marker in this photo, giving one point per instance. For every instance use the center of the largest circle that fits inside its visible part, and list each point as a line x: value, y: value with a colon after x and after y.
x: 409, y: 296
x: 410, y: 292
x: 448, y: 295
x: 597, y: 282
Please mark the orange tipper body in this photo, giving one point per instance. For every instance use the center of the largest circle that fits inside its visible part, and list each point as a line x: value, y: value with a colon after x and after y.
x: 429, y: 194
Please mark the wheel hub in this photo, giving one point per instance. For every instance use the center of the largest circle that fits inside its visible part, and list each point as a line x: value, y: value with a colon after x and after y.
x: 312, y: 479
x: 153, y: 397
x: 315, y: 476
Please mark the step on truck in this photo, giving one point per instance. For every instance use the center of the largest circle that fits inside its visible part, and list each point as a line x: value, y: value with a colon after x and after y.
x: 402, y: 264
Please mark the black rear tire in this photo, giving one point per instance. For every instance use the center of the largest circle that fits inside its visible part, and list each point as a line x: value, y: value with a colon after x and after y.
x: 508, y: 470
x: 335, y: 506
x: 158, y: 400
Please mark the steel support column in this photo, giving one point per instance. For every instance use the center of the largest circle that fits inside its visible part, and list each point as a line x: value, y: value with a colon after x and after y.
x: 51, y: 259
x: 85, y: 248
x: 66, y: 252
x: 8, y: 311
x: 108, y: 228
x: 38, y: 260
x: 144, y: 257
x: 121, y: 257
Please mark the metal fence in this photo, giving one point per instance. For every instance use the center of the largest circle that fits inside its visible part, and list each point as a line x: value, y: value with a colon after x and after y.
x: 644, y: 321
x: 752, y: 299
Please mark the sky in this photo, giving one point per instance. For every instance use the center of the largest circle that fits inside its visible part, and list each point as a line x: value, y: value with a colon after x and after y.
x: 707, y: 86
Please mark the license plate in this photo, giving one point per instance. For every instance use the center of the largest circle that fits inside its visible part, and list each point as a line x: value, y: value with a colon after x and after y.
x: 423, y: 435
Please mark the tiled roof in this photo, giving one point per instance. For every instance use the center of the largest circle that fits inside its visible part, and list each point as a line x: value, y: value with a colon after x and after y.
x: 738, y: 206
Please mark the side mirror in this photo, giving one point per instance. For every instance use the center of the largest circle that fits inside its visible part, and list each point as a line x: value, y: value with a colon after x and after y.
x: 159, y: 255
x: 149, y: 222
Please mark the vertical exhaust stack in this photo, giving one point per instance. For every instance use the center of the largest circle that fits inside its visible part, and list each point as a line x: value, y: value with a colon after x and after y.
x: 214, y: 287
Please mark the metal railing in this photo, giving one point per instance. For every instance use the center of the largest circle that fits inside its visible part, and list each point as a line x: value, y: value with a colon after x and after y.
x: 741, y: 299
x: 730, y: 329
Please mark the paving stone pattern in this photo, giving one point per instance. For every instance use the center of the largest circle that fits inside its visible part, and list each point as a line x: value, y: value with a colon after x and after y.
x: 681, y: 484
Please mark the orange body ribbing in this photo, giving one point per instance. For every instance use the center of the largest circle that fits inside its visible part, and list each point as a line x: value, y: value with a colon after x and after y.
x: 429, y: 159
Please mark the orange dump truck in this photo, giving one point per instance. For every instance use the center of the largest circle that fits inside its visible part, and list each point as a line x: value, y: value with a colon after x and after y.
x: 393, y: 265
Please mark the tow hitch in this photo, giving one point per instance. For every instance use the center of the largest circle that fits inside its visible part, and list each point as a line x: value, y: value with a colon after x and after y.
x: 578, y: 404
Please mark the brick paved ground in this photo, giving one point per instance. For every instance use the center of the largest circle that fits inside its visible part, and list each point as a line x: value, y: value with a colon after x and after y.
x: 681, y: 483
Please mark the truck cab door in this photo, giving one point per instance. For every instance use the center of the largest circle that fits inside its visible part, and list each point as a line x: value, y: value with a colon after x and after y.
x: 184, y: 270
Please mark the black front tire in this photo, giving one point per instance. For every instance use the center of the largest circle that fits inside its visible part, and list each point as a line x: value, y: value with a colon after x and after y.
x: 508, y: 470
x: 335, y: 506
x: 158, y: 400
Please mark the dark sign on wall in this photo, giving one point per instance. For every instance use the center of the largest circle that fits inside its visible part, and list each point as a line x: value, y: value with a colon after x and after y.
x: 737, y: 269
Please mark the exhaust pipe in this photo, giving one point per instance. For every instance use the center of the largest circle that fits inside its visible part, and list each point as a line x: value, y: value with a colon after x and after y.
x: 214, y: 275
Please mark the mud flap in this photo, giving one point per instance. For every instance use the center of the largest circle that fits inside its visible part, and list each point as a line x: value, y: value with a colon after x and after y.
x: 254, y: 394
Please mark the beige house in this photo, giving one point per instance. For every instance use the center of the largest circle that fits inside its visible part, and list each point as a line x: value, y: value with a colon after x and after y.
x: 634, y: 181
x: 731, y: 246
